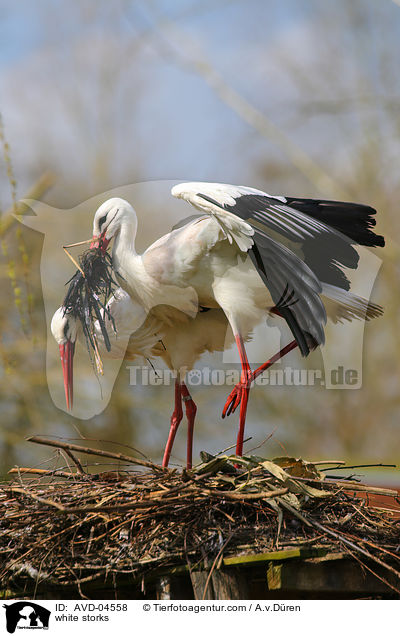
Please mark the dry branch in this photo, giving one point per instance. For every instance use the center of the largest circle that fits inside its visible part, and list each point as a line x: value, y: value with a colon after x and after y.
x: 42, y: 472
x: 35, y: 439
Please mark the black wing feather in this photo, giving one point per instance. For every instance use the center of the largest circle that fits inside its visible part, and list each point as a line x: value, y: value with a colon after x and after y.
x: 326, y: 230
x: 294, y: 289
x: 354, y: 220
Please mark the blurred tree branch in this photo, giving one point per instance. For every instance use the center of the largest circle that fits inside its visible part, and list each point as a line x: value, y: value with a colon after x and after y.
x: 191, y: 58
x: 42, y: 185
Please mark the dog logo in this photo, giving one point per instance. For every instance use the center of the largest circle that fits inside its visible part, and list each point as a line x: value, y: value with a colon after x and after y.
x: 26, y: 615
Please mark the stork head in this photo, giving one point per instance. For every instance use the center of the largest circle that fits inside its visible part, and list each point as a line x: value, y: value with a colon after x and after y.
x: 109, y: 218
x: 64, y: 329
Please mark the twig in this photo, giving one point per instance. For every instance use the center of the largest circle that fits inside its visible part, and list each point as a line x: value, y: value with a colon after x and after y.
x: 87, y: 579
x: 75, y: 460
x: 380, y: 578
x: 47, y: 502
x: 66, y: 247
x: 44, y: 473
x: 339, y: 462
x: 215, y: 563
x: 35, y: 439
x: 379, y: 547
x: 261, y: 443
x: 293, y: 511
x: 111, y: 441
x: 249, y: 496
x: 75, y: 262
x: 146, y: 502
x: 353, y: 545
x: 344, y: 467
x: 230, y: 448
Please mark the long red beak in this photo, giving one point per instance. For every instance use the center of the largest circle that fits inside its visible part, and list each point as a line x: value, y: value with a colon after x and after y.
x: 101, y: 242
x: 67, y: 356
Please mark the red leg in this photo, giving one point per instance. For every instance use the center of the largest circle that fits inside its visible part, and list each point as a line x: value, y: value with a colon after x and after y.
x: 175, y: 421
x: 245, y: 381
x: 236, y: 395
x: 191, y: 410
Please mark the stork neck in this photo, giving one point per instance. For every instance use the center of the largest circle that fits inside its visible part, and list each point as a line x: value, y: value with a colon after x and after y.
x: 127, y: 263
x: 124, y: 242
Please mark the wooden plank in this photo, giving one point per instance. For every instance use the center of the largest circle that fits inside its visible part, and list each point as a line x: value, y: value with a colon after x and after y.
x: 200, y: 588
x: 276, y: 555
x: 329, y: 575
x: 230, y: 584
x: 221, y: 585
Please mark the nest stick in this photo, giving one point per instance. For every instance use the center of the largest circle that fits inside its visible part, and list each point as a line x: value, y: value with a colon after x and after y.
x: 42, y: 473
x: 351, y: 544
x: 35, y: 439
x: 65, y: 247
x: 74, y: 262
x: 75, y: 460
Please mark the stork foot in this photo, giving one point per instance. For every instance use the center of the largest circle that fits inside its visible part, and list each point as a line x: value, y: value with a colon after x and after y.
x: 234, y: 399
x: 236, y: 395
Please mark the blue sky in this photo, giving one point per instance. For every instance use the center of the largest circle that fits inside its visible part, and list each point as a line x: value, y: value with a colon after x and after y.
x: 100, y: 92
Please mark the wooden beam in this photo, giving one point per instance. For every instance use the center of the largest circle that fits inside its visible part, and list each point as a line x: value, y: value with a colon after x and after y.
x: 276, y: 555
x: 325, y: 576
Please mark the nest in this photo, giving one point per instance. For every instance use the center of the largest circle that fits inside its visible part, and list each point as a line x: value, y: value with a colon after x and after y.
x: 86, y: 299
x: 68, y: 527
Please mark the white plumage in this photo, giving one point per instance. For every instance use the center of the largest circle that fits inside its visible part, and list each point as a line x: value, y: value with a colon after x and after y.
x: 225, y: 258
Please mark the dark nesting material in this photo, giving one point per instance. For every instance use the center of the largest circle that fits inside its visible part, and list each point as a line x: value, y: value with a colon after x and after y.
x: 88, y: 292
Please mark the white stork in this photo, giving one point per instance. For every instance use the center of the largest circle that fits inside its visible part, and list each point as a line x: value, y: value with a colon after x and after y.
x: 231, y: 257
x: 138, y: 334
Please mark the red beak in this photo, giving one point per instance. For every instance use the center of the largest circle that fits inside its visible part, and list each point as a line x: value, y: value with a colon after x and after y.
x: 101, y: 242
x: 67, y: 357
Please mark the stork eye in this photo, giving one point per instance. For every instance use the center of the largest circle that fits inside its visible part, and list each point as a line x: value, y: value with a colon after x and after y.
x: 102, y: 220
